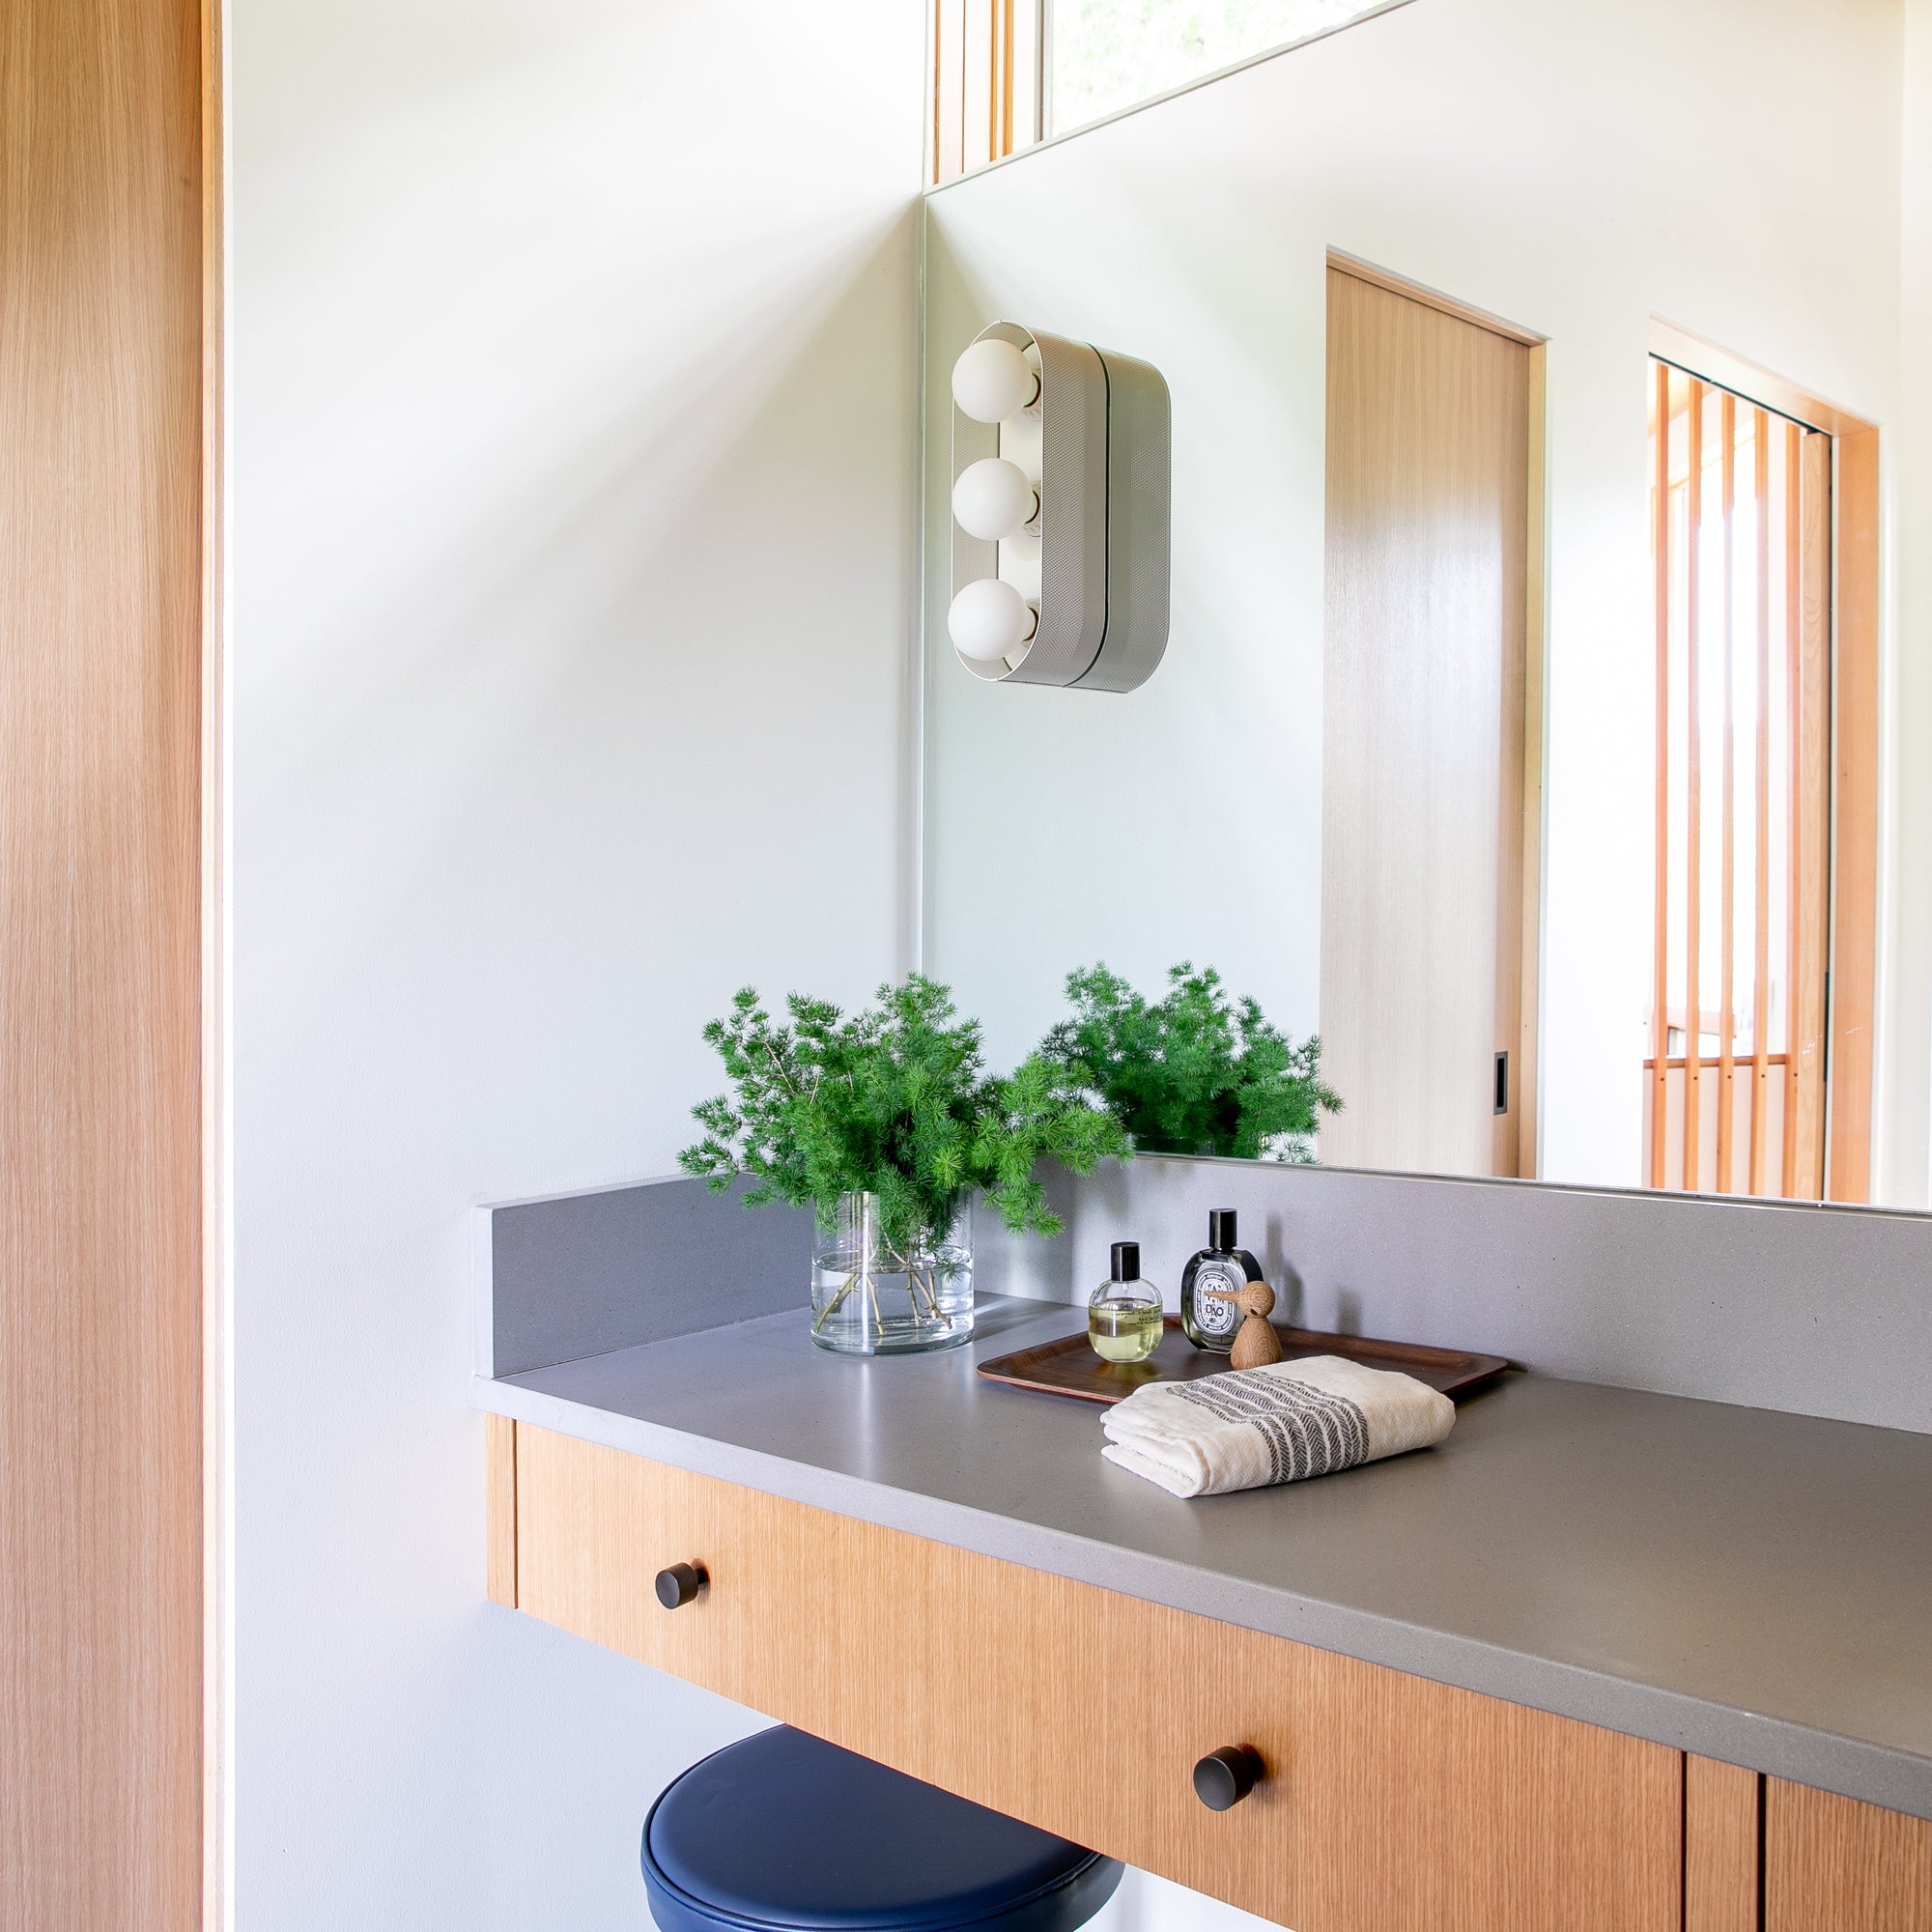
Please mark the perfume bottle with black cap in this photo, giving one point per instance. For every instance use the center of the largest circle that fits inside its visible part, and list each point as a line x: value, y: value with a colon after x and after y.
x: 1223, y: 1267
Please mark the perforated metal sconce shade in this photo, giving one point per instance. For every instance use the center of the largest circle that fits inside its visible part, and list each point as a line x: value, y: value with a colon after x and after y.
x: 1095, y: 443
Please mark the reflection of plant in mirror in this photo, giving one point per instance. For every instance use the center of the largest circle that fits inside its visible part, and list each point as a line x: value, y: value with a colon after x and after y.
x: 894, y: 1101
x: 1197, y: 1072
x: 1107, y: 54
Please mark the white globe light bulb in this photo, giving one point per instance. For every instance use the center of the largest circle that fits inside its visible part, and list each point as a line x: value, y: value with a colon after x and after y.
x: 990, y: 620
x: 993, y: 380
x: 992, y: 498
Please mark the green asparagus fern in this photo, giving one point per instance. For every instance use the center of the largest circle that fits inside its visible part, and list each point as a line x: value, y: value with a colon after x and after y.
x: 893, y: 1102
x: 1194, y: 1072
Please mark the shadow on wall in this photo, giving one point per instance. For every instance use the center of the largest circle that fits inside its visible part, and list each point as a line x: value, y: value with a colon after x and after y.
x: 675, y: 641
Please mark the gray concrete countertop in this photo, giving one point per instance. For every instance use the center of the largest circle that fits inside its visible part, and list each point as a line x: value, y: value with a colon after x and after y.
x: 1746, y: 1584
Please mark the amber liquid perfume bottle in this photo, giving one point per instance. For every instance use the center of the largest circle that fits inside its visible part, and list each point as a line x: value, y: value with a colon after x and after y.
x: 1125, y: 1319
x: 1223, y: 1266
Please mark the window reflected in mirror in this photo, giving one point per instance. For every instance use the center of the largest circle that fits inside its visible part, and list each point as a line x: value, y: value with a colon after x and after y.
x: 1105, y: 55
x: 1010, y: 73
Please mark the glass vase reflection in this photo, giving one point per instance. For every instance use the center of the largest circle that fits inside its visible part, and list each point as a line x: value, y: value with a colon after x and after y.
x: 872, y: 1298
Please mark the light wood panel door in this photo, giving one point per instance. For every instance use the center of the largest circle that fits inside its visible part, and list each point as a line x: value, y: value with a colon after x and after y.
x: 1426, y: 847
x: 102, y: 561
x: 1723, y: 1830
x: 1832, y: 1864
x: 1390, y: 1801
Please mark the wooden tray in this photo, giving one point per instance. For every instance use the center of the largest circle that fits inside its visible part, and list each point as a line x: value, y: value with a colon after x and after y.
x: 1070, y: 1367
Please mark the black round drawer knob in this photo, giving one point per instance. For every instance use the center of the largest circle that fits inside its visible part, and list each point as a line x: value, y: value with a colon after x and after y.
x: 1224, y: 1777
x: 682, y: 1582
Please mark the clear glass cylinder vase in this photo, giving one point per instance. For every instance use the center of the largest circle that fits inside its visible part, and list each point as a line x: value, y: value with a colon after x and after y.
x: 870, y: 1298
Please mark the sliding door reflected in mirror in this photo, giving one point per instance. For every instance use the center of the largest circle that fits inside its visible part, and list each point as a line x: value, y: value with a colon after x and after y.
x: 1427, y: 924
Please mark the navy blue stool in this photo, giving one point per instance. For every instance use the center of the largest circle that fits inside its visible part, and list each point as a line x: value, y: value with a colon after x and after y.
x: 784, y: 1831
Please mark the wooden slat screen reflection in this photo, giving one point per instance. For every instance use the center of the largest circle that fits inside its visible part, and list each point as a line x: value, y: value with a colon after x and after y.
x: 1659, y: 1043
x: 1741, y: 533
x: 986, y: 81
x: 1694, y: 784
x: 1794, y: 602
x: 1727, y: 1016
x: 1811, y: 866
x: 1761, y: 945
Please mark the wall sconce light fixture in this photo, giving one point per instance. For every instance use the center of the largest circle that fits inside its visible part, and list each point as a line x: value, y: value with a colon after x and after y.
x: 1060, y: 512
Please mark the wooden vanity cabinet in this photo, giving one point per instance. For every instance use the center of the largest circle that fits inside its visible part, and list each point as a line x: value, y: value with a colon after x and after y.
x: 1388, y: 1801
x: 1830, y: 1863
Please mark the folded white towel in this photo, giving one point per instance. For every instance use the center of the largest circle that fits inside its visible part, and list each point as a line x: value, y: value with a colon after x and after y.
x: 1280, y: 1424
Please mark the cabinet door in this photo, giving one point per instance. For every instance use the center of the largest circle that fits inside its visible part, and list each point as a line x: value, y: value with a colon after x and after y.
x: 1832, y: 1864
x: 1389, y: 1801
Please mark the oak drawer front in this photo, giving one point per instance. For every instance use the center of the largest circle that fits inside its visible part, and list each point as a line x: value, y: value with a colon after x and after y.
x: 1831, y: 1862
x: 1389, y: 1801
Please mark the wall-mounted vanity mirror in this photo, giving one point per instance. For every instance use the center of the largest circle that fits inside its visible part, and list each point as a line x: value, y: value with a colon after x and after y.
x: 1544, y: 721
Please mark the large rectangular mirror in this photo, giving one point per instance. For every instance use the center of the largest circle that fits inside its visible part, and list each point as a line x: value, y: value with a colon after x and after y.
x: 1540, y: 724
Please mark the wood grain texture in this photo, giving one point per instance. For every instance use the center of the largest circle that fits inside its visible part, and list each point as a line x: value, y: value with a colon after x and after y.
x: 1527, y: 1078
x: 1660, y: 999
x: 500, y: 1508
x: 1721, y: 1812
x: 1811, y: 818
x: 1424, y: 732
x: 102, y: 302
x: 1756, y: 1170
x: 1389, y: 1801
x: 217, y: 1610
x: 1856, y: 806
x: 1832, y: 1864
x: 1691, y: 1173
x: 1792, y: 1174
x: 1727, y: 843
x: 1749, y: 379
x: 1359, y: 270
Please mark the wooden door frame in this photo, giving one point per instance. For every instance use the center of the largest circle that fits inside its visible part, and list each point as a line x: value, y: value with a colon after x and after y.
x: 113, y: 1293
x: 1855, y: 674
x: 1527, y: 1082
x: 217, y: 1607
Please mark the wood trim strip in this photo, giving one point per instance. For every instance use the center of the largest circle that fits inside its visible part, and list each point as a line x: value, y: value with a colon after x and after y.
x: 1002, y: 132
x: 1756, y: 384
x: 1812, y: 861
x: 1711, y: 1059
x: 1761, y: 940
x: 217, y: 1610
x: 1693, y: 790
x: 1728, y: 1015
x: 1855, y: 713
x: 1660, y: 1005
x: 1793, y: 654
x: 107, y: 284
x: 1527, y: 1081
x: 1722, y: 1829
x: 1400, y: 285
x: 499, y: 1513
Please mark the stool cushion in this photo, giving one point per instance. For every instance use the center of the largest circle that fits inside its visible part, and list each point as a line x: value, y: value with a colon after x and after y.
x: 785, y: 1831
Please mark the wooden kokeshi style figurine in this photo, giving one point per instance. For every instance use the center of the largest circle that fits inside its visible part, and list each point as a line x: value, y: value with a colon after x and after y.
x: 1256, y: 1343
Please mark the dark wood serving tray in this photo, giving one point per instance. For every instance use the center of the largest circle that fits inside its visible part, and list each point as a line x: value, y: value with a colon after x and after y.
x: 1070, y: 1367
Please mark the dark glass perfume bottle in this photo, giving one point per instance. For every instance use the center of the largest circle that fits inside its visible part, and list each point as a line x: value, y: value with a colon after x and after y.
x: 1222, y: 1264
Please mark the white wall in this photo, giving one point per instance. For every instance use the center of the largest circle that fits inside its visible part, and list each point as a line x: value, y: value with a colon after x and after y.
x: 573, y: 406
x: 1547, y: 163
x: 1904, y: 1178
